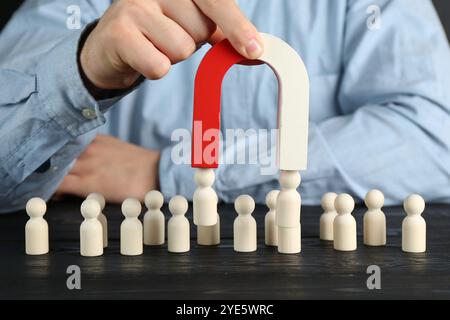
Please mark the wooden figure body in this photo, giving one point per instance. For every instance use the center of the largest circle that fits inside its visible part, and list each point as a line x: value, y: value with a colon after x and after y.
x: 289, y: 240
x: 270, y: 225
x: 288, y: 213
x: 328, y: 216
x: 374, y: 219
x: 414, y: 227
x: 131, y: 231
x: 178, y: 229
x: 154, y: 220
x: 91, y: 231
x: 344, y: 226
x: 101, y: 217
x: 244, y: 226
x: 210, y: 235
x: 36, y: 229
x: 205, y: 198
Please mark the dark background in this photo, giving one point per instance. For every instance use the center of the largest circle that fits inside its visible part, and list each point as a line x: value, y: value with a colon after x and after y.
x: 7, y: 7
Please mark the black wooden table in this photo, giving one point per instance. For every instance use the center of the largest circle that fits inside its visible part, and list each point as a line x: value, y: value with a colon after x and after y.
x: 318, y: 272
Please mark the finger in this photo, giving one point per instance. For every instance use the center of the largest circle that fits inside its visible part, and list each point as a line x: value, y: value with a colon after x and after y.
x: 235, y: 26
x: 219, y: 36
x: 103, y: 138
x: 100, y: 136
x: 141, y: 55
x: 190, y: 18
x: 168, y: 36
x: 71, y: 185
x: 81, y: 167
x: 216, y: 37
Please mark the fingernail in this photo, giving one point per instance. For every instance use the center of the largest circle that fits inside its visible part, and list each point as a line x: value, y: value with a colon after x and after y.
x: 253, y: 49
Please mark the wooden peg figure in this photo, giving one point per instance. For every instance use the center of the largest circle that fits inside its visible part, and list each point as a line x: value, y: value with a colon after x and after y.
x: 36, y: 229
x: 205, y: 198
x: 414, y: 227
x: 344, y: 226
x: 288, y: 213
x: 244, y: 227
x: 154, y: 220
x: 131, y: 231
x: 178, y: 229
x: 327, y: 218
x: 209, y: 235
x: 91, y: 233
x: 101, y: 217
x: 270, y: 225
x: 374, y: 219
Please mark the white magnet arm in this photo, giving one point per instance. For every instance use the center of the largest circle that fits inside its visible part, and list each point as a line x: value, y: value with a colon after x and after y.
x: 293, y: 110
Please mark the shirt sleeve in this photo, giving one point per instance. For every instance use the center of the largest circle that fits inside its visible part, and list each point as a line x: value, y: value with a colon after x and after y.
x: 394, y: 128
x: 48, y: 116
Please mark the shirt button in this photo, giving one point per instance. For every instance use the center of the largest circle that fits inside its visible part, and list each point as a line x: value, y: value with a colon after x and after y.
x: 89, y: 114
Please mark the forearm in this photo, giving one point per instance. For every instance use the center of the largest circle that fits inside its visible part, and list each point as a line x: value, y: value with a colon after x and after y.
x: 52, y: 111
x: 46, y: 110
x: 398, y: 147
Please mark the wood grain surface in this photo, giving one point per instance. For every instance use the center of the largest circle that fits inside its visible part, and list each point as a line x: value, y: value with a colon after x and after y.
x: 318, y: 272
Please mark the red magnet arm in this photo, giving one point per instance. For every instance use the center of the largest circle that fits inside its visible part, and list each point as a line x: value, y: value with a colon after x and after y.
x: 207, y: 99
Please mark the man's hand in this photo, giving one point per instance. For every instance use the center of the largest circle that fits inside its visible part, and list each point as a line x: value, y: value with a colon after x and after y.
x: 145, y: 37
x: 116, y: 169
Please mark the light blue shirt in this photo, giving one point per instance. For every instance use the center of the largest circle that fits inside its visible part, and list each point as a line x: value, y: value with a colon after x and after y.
x: 379, y: 112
